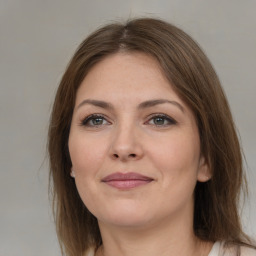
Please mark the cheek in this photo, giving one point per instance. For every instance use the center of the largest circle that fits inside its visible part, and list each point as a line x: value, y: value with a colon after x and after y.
x: 87, y: 157
x: 86, y: 153
x: 177, y: 163
x: 179, y: 150
x: 177, y: 159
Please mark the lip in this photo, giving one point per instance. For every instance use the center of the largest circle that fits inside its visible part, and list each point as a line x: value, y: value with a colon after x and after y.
x: 126, y: 180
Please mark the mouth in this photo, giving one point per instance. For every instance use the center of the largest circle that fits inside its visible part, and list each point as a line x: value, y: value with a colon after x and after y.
x: 126, y: 180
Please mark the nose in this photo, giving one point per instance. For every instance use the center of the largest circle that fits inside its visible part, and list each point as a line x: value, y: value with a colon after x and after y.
x: 126, y: 144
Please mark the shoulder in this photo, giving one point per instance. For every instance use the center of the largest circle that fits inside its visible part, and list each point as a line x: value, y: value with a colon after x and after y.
x: 247, y: 251
x: 224, y: 249
x: 237, y: 250
x: 89, y: 252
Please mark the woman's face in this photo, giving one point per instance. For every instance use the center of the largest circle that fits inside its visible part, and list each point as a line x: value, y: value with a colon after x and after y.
x: 134, y: 144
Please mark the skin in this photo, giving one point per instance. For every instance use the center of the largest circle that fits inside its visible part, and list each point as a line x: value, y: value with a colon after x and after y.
x: 155, y: 218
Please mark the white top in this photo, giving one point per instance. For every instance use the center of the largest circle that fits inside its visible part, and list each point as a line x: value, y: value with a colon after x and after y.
x: 219, y: 250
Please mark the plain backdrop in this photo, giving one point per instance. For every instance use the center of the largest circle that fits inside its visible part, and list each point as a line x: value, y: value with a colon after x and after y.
x: 37, y: 39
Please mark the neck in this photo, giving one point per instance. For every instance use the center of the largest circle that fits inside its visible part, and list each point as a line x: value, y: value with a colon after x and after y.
x: 168, y: 238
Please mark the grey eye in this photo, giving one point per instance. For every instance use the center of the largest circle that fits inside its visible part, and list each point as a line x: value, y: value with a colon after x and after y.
x: 94, y: 120
x: 97, y: 121
x: 159, y: 121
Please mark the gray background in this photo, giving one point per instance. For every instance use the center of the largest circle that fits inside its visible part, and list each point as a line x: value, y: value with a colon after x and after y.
x: 37, y: 40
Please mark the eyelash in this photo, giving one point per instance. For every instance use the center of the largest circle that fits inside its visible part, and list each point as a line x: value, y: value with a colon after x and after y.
x: 171, y: 121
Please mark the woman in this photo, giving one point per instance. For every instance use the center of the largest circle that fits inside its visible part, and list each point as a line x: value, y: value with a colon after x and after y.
x: 144, y: 156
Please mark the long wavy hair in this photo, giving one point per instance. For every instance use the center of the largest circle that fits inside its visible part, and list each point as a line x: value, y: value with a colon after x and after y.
x: 216, y: 206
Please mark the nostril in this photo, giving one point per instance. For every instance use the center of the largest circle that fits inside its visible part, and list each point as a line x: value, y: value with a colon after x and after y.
x: 132, y: 155
x: 116, y: 155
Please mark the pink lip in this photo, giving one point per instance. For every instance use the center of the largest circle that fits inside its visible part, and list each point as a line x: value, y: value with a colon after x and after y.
x: 126, y: 180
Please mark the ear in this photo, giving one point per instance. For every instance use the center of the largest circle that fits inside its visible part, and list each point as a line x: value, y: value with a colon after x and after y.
x: 204, y: 173
x: 72, y: 173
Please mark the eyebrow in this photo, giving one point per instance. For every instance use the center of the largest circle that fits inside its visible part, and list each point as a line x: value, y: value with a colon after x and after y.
x: 97, y: 103
x: 142, y: 105
x: 152, y: 103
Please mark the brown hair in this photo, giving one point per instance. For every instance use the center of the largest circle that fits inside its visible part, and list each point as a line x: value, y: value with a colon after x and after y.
x: 195, y: 81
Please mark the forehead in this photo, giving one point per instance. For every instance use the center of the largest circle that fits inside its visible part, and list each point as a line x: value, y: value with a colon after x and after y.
x: 132, y: 74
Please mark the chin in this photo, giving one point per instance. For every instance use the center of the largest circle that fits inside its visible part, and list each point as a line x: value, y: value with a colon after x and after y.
x: 126, y: 221
x: 124, y: 217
